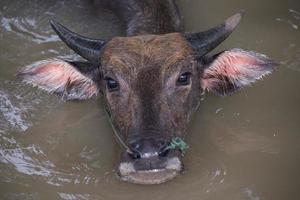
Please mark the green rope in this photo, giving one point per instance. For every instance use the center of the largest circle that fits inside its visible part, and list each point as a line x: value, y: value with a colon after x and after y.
x: 177, y: 143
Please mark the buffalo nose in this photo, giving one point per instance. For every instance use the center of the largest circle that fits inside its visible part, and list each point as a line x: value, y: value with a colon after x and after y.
x: 148, y: 147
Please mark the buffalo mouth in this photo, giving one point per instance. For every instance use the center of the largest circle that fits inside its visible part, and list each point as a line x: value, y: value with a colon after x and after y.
x: 136, y: 172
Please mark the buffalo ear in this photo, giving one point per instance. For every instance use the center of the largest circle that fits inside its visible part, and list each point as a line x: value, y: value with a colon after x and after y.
x: 234, y: 69
x: 71, y: 80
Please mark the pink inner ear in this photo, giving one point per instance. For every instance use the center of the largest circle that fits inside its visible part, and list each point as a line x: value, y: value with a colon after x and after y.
x: 59, y: 73
x: 57, y: 76
x: 235, y: 68
x: 55, y: 69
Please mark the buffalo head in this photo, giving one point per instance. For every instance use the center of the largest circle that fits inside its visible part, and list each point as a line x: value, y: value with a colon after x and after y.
x: 151, y: 86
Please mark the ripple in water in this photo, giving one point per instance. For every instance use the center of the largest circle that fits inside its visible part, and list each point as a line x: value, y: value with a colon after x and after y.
x: 17, y: 108
x: 26, y: 28
x: 22, y: 107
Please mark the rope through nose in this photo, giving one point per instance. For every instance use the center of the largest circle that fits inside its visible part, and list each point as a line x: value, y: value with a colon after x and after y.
x: 118, y: 136
x: 175, y: 143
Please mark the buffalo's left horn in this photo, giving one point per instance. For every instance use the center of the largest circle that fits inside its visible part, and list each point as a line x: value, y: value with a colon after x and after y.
x: 206, y: 41
x: 86, y: 47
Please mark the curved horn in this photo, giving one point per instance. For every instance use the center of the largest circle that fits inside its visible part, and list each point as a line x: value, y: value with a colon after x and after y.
x: 86, y: 47
x: 206, y: 41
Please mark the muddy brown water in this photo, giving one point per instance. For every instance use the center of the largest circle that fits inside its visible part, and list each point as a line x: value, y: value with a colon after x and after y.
x: 242, y: 147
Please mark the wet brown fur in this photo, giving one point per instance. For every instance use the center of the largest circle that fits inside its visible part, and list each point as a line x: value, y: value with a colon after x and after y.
x: 147, y: 68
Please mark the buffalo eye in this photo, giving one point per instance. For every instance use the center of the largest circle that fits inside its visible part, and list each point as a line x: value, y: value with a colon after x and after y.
x: 184, y: 79
x: 111, y: 84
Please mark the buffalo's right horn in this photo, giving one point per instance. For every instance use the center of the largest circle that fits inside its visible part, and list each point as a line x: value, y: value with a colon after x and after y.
x: 86, y: 47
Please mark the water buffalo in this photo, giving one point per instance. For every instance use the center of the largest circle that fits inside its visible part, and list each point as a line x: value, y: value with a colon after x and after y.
x: 151, y: 80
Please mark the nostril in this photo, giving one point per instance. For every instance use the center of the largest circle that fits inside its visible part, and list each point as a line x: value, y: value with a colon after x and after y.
x: 134, y: 154
x: 135, y: 146
x: 164, y: 152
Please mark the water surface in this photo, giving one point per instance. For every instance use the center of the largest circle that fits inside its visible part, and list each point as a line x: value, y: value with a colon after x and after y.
x: 242, y: 147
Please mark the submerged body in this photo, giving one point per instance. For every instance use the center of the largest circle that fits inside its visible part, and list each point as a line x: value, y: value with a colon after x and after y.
x: 151, y: 80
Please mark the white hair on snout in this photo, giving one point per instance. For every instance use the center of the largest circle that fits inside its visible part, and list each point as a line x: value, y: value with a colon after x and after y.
x: 174, y: 163
x: 126, y: 168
